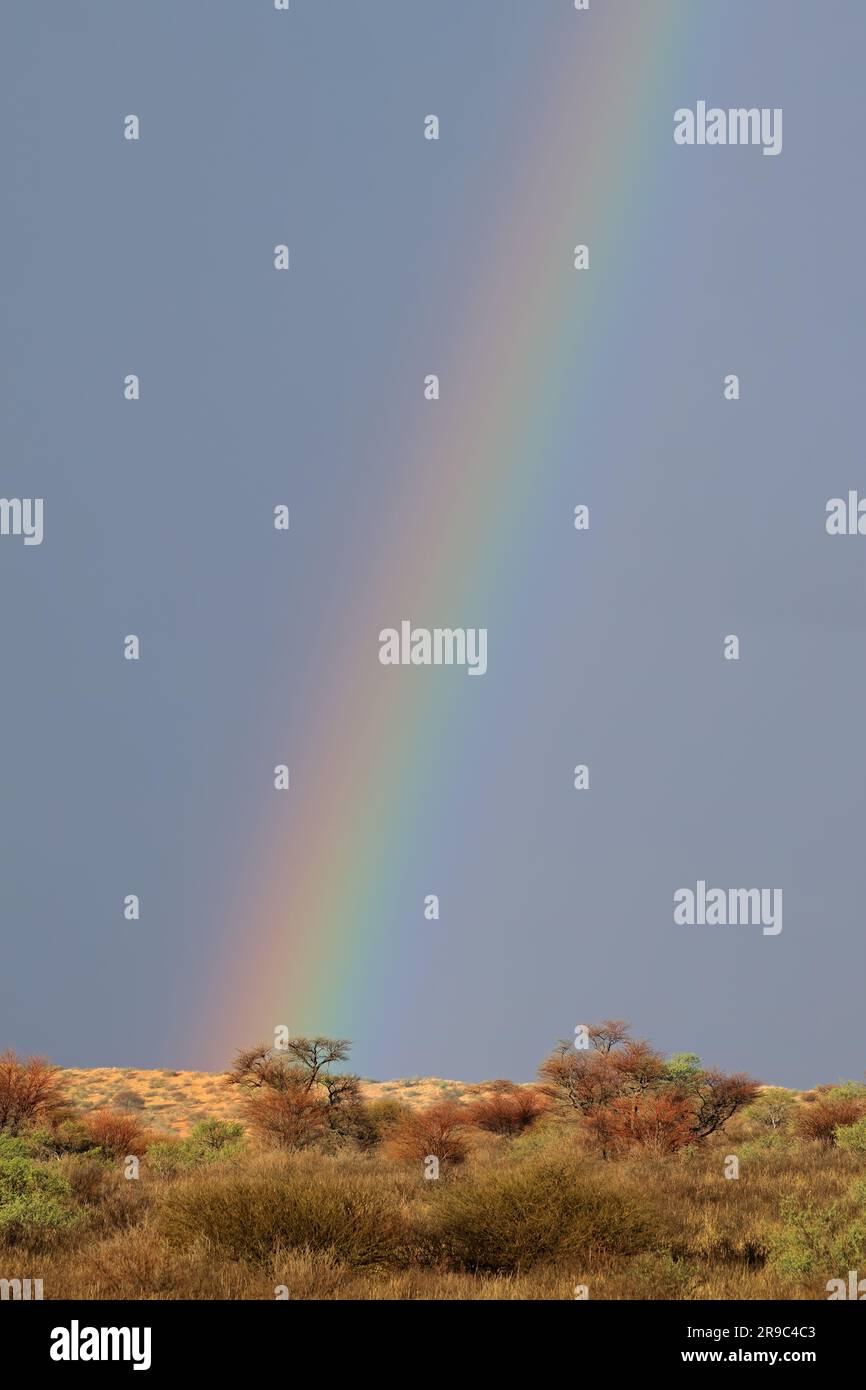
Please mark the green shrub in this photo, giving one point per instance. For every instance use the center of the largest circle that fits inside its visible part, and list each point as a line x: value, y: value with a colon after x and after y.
x: 773, y: 1109
x: 682, y: 1067
x: 847, y: 1090
x: 168, y: 1157
x: 816, y: 1240
x: 506, y: 1220
x: 217, y: 1136
x: 67, y: 1137
x: 772, y: 1142
x: 13, y: 1146
x: 852, y: 1137
x: 251, y: 1217
x: 207, y: 1142
x: 34, y: 1199
x: 381, y: 1117
x: 129, y: 1100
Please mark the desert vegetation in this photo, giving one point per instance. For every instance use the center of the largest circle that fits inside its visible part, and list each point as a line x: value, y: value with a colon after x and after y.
x: 619, y: 1172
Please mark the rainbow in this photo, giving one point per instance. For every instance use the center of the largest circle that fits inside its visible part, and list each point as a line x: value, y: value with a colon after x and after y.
x: 312, y: 933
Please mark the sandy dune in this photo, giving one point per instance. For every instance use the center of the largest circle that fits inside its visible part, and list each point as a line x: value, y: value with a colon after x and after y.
x: 176, y: 1100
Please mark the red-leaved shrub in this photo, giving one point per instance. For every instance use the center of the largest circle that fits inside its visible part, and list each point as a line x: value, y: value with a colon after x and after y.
x: 115, y: 1132
x: 30, y: 1090
x: 437, y: 1132
x: 290, y: 1119
x: 655, y: 1123
x: 819, y: 1120
x: 507, y: 1109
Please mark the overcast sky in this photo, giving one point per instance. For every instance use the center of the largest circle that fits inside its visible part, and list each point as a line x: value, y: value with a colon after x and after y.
x: 707, y: 519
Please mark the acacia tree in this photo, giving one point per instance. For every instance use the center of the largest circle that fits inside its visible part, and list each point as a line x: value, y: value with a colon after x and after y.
x: 582, y: 1080
x: 717, y: 1097
x: 609, y: 1034
x: 629, y: 1095
x: 639, y: 1066
x: 301, y: 1064
x: 291, y: 1095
